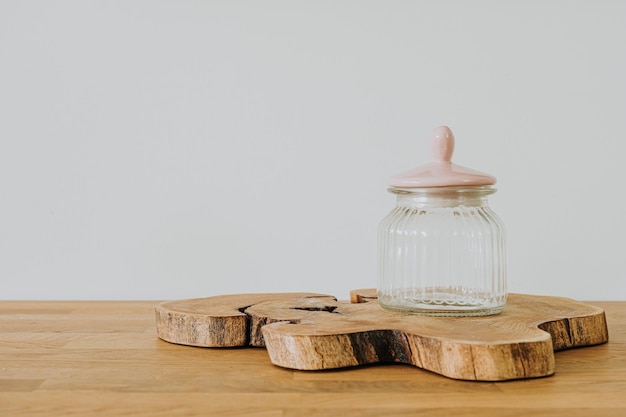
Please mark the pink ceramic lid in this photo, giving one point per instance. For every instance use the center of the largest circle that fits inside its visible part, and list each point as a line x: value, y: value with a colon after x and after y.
x: 441, y: 172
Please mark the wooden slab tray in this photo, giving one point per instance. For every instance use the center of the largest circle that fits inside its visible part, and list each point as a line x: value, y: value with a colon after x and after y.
x: 309, y: 331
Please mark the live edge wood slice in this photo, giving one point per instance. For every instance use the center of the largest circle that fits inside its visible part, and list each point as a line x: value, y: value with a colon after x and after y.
x: 309, y: 331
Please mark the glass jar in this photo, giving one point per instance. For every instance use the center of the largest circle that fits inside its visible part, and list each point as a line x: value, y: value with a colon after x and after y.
x: 442, y: 250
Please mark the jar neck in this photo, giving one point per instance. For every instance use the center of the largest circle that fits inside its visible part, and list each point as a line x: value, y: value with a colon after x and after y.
x: 443, y: 196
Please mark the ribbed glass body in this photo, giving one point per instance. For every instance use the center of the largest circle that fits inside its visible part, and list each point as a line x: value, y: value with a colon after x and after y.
x: 442, y: 251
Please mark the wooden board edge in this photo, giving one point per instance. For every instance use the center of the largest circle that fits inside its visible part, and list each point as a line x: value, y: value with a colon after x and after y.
x: 332, y: 351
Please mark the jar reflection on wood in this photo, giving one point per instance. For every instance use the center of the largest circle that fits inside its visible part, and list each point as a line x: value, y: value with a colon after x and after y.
x: 442, y: 250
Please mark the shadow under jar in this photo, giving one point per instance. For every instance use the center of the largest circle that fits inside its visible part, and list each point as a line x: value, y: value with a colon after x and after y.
x: 442, y: 250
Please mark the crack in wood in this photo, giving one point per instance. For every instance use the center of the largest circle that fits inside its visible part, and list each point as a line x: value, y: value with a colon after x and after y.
x: 328, y: 309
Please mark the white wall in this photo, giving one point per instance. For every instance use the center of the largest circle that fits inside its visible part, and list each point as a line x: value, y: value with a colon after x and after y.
x: 172, y: 149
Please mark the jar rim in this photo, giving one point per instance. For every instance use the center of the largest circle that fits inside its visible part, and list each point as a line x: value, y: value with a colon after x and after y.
x: 476, y: 191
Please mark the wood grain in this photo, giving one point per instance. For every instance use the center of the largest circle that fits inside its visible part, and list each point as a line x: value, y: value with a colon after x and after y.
x: 104, y: 359
x: 318, y: 332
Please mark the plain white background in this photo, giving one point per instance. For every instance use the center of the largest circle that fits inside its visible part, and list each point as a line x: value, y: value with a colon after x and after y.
x: 174, y: 149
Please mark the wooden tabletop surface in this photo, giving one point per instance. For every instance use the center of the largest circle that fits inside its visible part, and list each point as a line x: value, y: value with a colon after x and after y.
x: 104, y: 358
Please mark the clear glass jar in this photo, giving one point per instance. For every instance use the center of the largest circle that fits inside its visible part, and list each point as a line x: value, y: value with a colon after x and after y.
x: 442, y: 249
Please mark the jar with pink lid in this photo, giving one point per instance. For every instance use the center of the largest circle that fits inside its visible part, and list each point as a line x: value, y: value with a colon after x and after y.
x: 442, y: 249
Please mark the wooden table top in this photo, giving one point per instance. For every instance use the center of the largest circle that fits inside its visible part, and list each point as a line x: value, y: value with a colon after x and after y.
x: 104, y: 358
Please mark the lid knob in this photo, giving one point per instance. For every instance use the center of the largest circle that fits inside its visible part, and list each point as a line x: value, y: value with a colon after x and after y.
x: 442, y: 144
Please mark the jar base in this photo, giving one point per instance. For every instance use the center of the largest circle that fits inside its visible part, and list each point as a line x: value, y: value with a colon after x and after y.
x: 443, y: 306
x: 444, y: 312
